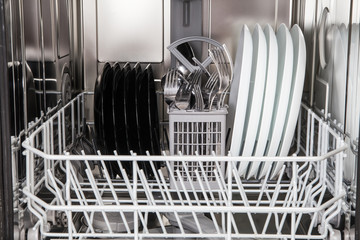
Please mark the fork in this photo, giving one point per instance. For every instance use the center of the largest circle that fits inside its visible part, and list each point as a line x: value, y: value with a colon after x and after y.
x: 211, y: 88
x: 223, y: 64
x: 171, y: 86
x: 183, y: 95
x: 199, y: 101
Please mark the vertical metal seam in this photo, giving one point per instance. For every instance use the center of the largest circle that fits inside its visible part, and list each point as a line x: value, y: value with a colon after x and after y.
x: 6, y: 188
x: 348, y: 66
x: 23, y: 67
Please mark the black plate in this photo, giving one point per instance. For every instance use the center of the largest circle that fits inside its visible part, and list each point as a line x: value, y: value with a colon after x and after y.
x: 121, y: 142
x: 126, y: 70
x: 138, y: 76
x: 153, y: 112
x: 144, y: 126
x: 98, y: 103
x: 107, y: 109
x: 144, y: 114
x: 100, y: 113
x: 145, y: 165
x: 131, y: 125
x: 118, y: 111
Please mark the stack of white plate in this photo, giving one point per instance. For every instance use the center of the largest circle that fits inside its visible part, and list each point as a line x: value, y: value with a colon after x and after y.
x: 265, y: 95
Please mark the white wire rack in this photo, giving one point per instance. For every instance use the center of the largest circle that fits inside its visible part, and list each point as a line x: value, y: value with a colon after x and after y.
x: 300, y: 204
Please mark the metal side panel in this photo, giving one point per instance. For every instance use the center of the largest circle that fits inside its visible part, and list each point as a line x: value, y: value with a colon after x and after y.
x: 89, y: 43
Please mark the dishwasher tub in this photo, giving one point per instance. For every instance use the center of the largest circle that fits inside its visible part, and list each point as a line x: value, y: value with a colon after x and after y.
x: 307, y: 193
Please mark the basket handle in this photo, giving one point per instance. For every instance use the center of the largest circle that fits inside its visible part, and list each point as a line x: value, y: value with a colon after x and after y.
x: 173, y: 49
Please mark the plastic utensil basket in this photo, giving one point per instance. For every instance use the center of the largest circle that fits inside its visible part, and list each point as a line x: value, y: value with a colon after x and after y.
x: 196, y: 133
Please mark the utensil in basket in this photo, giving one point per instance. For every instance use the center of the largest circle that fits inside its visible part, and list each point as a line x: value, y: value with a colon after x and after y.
x: 211, y: 88
x: 183, y: 95
x: 223, y: 64
x: 199, y: 101
x: 170, y: 85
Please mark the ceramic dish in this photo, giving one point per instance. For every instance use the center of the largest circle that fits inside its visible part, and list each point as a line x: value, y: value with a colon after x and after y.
x: 130, y: 111
x: 108, y: 119
x: 256, y: 93
x: 344, y: 35
x: 285, y: 69
x: 269, y: 97
x: 122, y: 145
x: 153, y: 111
x: 338, y: 94
x: 144, y: 111
x: 352, y: 118
x: 99, y: 111
x: 240, y: 89
x: 297, y: 85
x: 98, y: 105
x: 138, y: 76
x: 107, y: 108
x: 118, y: 109
x: 149, y: 122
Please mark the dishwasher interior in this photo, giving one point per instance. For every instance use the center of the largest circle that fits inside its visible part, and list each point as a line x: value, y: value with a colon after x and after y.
x: 172, y: 158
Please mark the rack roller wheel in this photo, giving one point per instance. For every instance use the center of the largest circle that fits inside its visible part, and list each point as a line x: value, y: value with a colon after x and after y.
x: 33, y: 234
x: 335, y: 235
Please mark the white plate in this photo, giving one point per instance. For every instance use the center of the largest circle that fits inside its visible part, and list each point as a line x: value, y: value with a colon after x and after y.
x: 338, y: 95
x: 268, y: 101
x: 256, y: 93
x: 242, y: 72
x: 357, y: 103
x: 352, y: 118
x: 344, y: 35
x: 244, y: 43
x: 297, y: 85
x: 285, y: 67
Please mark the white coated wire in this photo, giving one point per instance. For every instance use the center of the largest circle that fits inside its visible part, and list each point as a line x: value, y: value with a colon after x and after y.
x: 197, y: 205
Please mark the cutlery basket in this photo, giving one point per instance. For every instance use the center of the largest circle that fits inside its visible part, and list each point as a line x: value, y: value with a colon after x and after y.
x: 196, y: 133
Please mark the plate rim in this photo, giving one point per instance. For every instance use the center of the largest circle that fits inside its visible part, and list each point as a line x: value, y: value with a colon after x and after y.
x: 255, y: 98
x: 244, y: 83
x: 281, y: 102
x: 269, y: 97
x: 297, y: 84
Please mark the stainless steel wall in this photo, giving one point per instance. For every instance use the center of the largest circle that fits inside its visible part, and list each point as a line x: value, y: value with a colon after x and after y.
x: 341, y: 100
x: 124, y: 31
x: 140, y: 31
x: 47, y: 31
x: 223, y: 19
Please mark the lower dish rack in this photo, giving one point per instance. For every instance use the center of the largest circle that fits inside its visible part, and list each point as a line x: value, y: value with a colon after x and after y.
x: 300, y: 203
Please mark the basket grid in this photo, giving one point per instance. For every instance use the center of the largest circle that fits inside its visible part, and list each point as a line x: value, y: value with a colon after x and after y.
x: 189, y: 172
x: 203, y: 138
x: 196, y: 133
